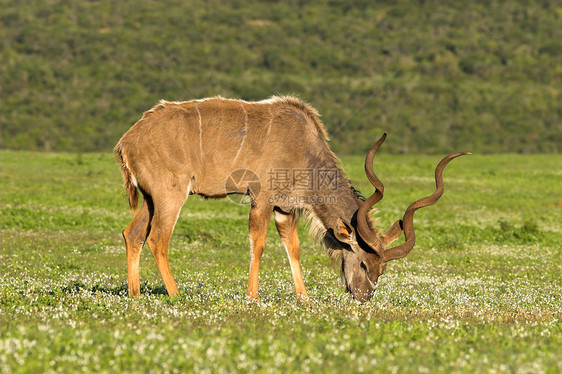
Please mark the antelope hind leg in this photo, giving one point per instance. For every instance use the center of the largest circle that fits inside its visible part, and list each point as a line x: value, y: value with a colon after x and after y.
x: 135, y: 235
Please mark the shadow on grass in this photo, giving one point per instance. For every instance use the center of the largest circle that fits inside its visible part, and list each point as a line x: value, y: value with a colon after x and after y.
x: 120, y: 290
x: 194, y: 292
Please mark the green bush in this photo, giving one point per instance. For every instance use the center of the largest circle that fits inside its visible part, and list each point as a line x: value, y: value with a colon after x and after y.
x: 484, y: 76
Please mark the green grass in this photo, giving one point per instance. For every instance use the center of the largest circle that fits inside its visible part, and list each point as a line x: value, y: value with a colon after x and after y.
x: 480, y: 292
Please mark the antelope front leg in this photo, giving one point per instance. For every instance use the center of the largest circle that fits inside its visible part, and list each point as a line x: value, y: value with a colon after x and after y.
x: 259, y: 222
x: 287, y: 228
x: 167, y: 206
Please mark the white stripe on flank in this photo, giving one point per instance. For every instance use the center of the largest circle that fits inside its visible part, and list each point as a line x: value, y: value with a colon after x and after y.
x: 200, y: 133
x: 245, y: 134
x: 269, y: 125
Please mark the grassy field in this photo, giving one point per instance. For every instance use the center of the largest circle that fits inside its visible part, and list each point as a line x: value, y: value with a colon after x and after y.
x: 480, y: 292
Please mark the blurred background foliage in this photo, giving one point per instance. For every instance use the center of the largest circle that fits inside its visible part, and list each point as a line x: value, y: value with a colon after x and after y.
x: 439, y: 76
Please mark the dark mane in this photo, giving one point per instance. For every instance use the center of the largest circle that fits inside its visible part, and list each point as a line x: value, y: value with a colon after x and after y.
x: 357, y: 193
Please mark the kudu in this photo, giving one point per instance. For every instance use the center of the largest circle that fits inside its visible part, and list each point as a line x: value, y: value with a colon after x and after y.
x: 278, y: 148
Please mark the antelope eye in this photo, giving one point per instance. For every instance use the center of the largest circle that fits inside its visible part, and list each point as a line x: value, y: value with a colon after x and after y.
x: 363, y: 266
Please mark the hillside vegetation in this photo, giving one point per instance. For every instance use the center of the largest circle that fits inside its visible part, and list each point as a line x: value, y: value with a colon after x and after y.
x: 439, y: 76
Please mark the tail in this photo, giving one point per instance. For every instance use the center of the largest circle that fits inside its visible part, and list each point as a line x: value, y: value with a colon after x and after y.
x: 129, y: 179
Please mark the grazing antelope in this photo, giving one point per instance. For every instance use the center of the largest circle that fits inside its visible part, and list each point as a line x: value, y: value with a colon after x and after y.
x: 274, y: 151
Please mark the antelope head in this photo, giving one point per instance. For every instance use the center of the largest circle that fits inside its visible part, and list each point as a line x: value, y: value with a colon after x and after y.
x: 366, y: 254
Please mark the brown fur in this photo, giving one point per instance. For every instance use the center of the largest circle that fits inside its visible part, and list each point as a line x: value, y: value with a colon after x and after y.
x: 307, y: 109
x: 196, y: 147
x: 127, y: 178
x: 178, y: 148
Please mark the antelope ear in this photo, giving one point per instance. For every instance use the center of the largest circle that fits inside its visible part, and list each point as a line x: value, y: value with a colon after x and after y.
x: 392, y: 234
x: 343, y: 232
